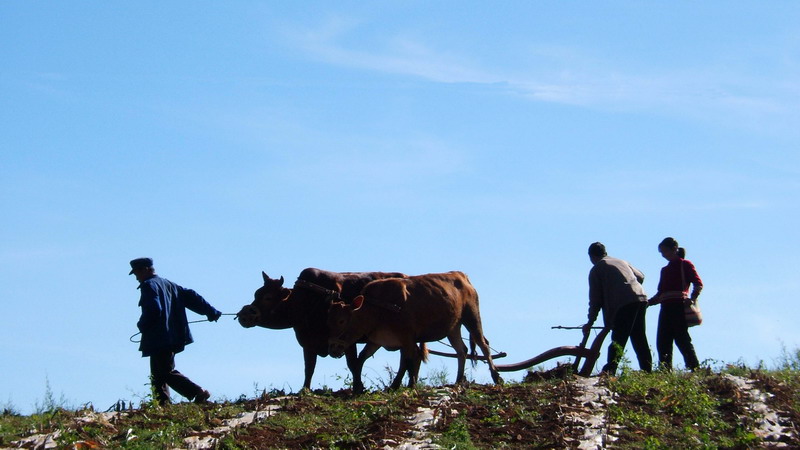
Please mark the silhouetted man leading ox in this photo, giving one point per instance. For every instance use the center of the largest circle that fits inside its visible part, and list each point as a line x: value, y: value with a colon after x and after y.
x: 165, y: 329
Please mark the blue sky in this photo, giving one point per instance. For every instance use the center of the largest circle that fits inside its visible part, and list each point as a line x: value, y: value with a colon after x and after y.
x: 223, y: 139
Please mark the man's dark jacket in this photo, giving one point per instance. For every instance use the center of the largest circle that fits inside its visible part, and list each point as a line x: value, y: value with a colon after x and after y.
x: 163, y: 323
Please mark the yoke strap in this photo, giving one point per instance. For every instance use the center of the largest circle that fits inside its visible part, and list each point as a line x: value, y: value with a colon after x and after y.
x: 328, y: 293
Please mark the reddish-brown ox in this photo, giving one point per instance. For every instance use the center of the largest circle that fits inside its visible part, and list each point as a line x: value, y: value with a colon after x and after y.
x: 399, y: 313
x: 305, y: 309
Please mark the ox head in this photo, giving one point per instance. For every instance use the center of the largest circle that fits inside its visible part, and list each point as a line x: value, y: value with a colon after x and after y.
x: 342, y: 327
x: 268, y: 307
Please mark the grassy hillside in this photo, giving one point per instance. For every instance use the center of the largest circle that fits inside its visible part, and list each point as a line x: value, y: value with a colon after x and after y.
x: 706, y: 409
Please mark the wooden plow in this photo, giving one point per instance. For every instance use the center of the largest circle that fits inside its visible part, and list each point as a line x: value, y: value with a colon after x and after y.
x: 588, y: 354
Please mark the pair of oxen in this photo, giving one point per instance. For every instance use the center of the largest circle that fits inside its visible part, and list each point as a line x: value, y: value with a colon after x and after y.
x: 332, y: 311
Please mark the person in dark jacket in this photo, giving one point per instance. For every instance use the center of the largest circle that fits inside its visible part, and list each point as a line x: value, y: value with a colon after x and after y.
x: 615, y: 287
x: 165, y: 329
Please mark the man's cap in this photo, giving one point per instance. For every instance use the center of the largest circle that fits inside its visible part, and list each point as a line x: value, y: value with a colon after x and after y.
x: 140, y: 263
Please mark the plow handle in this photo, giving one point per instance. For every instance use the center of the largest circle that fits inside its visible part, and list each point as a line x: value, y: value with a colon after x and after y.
x: 577, y: 362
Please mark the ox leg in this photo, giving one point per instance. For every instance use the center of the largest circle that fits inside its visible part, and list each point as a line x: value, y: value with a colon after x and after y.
x: 472, y: 321
x: 409, y: 362
x: 413, y: 365
x: 480, y: 339
x: 356, y: 364
x: 455, y: 341
x: 310, y: 357
x: 401, y: 371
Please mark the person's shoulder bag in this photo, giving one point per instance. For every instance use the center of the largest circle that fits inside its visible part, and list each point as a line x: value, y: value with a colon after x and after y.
x: 691, y: 311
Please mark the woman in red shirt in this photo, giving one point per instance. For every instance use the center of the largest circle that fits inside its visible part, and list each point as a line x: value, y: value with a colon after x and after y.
x: 673, y: 294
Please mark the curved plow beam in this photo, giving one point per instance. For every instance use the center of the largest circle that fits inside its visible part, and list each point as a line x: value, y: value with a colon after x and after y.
x: 569, y: 350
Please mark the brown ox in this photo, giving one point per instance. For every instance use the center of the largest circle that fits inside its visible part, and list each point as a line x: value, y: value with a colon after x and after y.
x: 305, y: 309
x: 399, y: 313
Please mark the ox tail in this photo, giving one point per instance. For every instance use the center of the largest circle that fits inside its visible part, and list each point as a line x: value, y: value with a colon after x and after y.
x: 423, y: 351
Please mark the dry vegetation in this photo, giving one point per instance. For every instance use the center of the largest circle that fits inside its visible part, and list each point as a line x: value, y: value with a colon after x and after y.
x: 661, y: 410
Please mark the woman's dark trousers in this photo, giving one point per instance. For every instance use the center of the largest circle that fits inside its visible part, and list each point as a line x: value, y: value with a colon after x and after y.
x: 672, y: 328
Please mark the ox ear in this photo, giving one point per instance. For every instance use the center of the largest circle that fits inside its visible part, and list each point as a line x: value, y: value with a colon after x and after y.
x: 265, y: 276
x: 358, y: 302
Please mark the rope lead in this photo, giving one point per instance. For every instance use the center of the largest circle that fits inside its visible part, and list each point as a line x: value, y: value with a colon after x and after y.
x: 193, y: 321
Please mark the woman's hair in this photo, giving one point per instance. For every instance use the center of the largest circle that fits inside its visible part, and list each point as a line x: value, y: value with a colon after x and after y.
x: 669, y: 242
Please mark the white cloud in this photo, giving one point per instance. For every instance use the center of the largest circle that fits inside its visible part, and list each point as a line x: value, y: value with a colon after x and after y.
x: 564, y: 75
x: 401, y: 55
